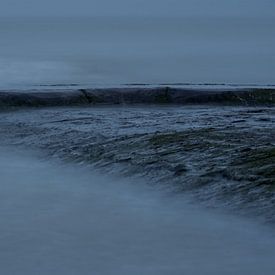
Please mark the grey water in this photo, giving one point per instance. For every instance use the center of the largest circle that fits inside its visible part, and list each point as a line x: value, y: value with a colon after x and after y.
x: 61, y: 219
x: 113, y: 50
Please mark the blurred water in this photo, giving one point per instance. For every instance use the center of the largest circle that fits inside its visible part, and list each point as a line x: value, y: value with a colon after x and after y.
x: 60, y: 219
x: 109, y: 51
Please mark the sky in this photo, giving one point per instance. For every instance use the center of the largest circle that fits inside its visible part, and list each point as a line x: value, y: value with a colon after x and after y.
x: 154, y: 41
x: 10, y: 8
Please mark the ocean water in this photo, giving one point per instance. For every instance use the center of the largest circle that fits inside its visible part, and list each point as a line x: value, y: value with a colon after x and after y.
x: 110, y: 51
x: 63, y: 219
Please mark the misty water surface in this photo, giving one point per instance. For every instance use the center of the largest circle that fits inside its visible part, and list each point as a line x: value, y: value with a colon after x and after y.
x: 63, y: 219
x: 113, y: 50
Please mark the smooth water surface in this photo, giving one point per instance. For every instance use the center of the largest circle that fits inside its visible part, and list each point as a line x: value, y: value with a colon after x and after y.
x: 62, y: 219
x: 110, y: 51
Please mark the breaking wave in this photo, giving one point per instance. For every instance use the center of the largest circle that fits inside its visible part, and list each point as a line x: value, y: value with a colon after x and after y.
x: 222, y: 156
x: 137, y: 95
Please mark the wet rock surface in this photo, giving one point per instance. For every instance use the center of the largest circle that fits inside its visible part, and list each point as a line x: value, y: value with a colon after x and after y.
x: 222, y: 156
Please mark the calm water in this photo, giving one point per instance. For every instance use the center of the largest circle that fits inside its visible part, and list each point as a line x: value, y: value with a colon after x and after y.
x: 113, y: 51
x: 57, y: 219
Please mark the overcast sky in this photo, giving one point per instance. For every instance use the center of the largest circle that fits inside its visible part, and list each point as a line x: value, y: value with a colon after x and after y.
x: 135, y: 7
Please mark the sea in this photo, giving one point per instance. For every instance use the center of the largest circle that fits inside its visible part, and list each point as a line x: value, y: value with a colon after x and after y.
x: 59, y: 214
x: 137, y: 50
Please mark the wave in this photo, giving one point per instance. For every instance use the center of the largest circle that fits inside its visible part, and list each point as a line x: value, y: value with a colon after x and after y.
x: 138, y: 95
x: 221, y: 155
